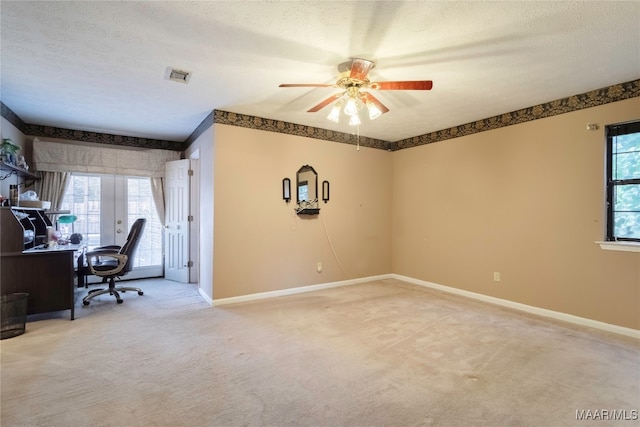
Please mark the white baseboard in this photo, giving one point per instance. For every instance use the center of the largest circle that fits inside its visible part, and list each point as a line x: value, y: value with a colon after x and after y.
x: 205, y: 296
x: 633, y: 333
x: 297, y: 290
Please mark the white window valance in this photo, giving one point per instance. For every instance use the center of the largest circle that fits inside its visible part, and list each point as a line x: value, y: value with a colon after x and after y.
x: 60, y: 157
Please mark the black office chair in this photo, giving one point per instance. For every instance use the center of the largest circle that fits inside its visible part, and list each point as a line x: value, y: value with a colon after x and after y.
x: 113, y: 261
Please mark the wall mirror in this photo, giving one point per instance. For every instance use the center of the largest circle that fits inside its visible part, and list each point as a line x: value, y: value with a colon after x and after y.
x: 307, y: 191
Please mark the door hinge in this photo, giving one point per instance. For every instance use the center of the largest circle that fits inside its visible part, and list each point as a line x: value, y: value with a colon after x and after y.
x: 190, y: 173
x: 190, y: 264
x: 190, y: 218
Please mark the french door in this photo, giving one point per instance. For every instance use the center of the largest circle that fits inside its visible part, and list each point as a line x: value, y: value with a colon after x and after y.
x: 106, y: 206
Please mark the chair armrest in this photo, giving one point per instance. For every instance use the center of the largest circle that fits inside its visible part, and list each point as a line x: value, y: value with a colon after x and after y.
x: 122, y: 262
x: 96, y: 254
x: 114, y: 247
x: 101, y: 252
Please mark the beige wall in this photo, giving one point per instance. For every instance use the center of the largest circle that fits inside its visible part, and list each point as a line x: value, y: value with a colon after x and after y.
x: 262, y: 245
x: 526, y: 201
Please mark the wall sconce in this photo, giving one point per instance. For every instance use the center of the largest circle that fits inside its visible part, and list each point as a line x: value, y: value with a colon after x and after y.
x: 286, y: 190
x: 325, y: 191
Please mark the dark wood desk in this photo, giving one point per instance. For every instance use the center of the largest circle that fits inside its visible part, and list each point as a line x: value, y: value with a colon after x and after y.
x: 47, y: 274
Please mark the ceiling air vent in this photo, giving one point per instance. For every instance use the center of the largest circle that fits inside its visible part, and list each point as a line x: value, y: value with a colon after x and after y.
x: 177, y: 75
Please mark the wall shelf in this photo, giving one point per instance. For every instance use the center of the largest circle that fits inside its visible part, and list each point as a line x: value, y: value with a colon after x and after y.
x: 308, y: 211
x: 7, y: 170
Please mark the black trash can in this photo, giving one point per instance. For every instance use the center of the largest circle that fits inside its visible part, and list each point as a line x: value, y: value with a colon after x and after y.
x: 14, y: 314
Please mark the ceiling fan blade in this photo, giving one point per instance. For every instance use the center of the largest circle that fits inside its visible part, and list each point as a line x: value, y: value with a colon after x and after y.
x: 305, y: 85
x: 324, y: 103
x: 360, y: 68
x: 403, y: 85
x: 368, y: 97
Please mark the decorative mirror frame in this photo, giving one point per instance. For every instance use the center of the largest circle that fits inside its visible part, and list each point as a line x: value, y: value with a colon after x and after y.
x: 307, y: 207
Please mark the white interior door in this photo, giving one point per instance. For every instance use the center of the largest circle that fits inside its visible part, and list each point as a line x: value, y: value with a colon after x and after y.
x: 176, y: 232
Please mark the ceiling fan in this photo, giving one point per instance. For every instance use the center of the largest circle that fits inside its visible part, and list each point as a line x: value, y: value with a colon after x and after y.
x: 354, y: 95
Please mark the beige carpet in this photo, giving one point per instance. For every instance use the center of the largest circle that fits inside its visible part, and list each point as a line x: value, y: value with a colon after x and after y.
x: 383, y: 353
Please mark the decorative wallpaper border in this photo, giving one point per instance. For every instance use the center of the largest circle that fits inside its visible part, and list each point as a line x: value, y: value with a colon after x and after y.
x: 102, y: 138
x: 565, y: 105
x: 12, y: 117
x: 270, y: 125
x: 589, y: 99
x: 85, y: 136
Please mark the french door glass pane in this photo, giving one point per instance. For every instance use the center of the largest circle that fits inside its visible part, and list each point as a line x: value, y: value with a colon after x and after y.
x: 140, y: 204
x: 82, y: 199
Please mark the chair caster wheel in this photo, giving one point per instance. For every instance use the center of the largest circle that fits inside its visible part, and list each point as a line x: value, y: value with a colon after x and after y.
x: 140, y: 293
x: 85, y: 302
x: 119, y: 301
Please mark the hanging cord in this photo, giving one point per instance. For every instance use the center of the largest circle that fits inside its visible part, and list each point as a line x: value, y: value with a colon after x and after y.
x: 333, y: 250
x: 356, y: 133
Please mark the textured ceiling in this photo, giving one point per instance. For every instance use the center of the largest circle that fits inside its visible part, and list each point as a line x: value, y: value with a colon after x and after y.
x: 100, y: 66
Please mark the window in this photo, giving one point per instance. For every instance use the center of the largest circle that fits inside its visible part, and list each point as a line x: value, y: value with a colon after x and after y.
x: 623, y: 182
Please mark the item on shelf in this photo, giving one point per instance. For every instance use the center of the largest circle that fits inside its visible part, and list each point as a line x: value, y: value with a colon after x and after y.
x: 28, y: 236
x: 8, y: 151
x: 22, y: 162
x: 53, y: 236
x: 29, y: 199
x: 13, y: 195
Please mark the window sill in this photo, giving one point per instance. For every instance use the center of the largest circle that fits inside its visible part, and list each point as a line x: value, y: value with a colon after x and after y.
x: 620, y: 246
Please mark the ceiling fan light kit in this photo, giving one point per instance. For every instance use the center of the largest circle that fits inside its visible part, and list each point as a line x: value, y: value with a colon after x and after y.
x: 354, y: 120
x: 374, y: 112
x: 352, y: 106
x: 352, y: 99
x: 334, y: 115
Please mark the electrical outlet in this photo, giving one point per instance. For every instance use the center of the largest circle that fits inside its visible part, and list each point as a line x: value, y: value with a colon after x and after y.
x: 319, y: 267
x: 496, y: 276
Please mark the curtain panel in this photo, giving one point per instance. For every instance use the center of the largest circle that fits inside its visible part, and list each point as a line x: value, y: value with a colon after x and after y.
x: 52, y: 186
x: 61, y: 157
x: 157, y: 190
